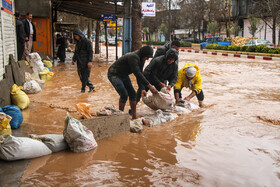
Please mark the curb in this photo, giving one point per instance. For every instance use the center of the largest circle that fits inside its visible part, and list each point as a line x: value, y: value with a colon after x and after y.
x: 228, y: 54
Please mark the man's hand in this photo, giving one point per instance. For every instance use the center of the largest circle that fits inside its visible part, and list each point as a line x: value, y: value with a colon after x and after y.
x: 162, y: 85
x: 143, y: 93
x: 73, y: 63
x: 187, y: 98
x: 169, y: 88
x: 89, y: 65
x: 152, y: 89
x: 26, y: 38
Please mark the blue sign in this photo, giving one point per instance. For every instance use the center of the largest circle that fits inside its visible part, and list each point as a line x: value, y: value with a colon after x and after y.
x: 108, y: 17
x: 7, y: 6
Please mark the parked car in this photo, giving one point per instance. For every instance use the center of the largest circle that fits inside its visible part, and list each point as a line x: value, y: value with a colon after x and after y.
x: 259, y: 42
x: 189, y: 40
x: 213, y: 40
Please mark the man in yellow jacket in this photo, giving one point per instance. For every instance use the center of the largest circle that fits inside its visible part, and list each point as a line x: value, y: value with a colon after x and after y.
x: 189, y: 77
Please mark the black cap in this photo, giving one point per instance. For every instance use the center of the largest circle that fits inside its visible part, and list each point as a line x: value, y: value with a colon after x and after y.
x: 17, y: 14
x: 147, y: 51
x: 176, y: 43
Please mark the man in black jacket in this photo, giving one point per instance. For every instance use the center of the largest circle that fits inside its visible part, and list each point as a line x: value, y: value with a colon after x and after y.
x: 119, y: 72
x: 83, y: 56
x: 60, y: 43
x: 30, y: 34
x: 163, y: 49
x: 160, y: 70
x: 20, y: 36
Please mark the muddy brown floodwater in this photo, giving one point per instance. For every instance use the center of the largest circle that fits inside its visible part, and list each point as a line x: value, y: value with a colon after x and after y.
x: 233, y: 141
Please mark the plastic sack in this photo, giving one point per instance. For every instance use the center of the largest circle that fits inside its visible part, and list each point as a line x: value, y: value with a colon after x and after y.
x: 5, y: 127
x: 84, y: 110
x: 15, y: 113
x: 29, y: 77
x: 19, y: 98
x: 48, y: 63
x: 108, y: 111
x: 31, y: 87
x: 161, y: 100
x: 158, y: 118
x: 46, y: 75
x: 55, y: 142
x: 16, y: 148
x: 78, y: 137
x: 36, y: 61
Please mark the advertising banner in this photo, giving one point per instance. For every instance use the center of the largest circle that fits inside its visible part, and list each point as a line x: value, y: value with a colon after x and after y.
x: 149, y: 9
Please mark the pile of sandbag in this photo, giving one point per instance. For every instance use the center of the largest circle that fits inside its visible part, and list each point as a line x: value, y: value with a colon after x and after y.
x: 108, y: 110
x: 162, y: 100
x: 75, y: 136
x: 239, y: 40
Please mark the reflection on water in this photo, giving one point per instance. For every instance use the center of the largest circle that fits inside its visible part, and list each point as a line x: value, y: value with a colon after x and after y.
x: 226, y: 143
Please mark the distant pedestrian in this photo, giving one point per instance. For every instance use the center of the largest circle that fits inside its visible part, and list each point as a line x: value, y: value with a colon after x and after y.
x: 119, y: 72
x: 20, y: 36
x: 83, y: 56
x: 189, y: 77
x: 30, y: 34
x: 60, y: 43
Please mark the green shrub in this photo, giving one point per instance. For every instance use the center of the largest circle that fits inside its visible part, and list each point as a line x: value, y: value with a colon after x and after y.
x: 251, y: 48
x: 218, y: 47
x: 209, y: 46
x: 260, y: 48
x: 265, y: 49
x: 225, y: 47
x: 234, y: 48
x: 243, y: 48
x: 185, y: 44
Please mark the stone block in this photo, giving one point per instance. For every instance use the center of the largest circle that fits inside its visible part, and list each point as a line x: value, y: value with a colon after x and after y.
x: 18, y: 74
x: 5, y: 96
x: 106, y: 126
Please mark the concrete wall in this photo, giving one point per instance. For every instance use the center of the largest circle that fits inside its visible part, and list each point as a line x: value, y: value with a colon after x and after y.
x: 38, y: 8
x: 260, y: 34
x: 8, y: 38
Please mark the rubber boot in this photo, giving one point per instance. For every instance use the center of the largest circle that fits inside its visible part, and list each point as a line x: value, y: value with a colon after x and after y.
x: 121, y: 106
x: 200, y: 103
x: 133, y: 109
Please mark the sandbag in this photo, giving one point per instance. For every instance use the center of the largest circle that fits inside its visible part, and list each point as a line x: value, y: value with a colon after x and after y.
x: 46, y: 75
x: 48, y: 63
x: 34, y: 76
x: 5, y: 127
x: 36, y: 62
x: 15, y: 113
x: 78, y: 137
x: 16, y: 148
x: 159, y: 117
x: 136, y: 125
x: 31, y: 87
x: 160, y: 100
x: 55, y: 142
x: 19, y: 98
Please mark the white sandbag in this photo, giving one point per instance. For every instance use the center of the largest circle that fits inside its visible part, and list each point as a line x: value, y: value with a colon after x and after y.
x: 34, y: 76
x: 189, y: 105
x: 16, y: 148
x: 36, y: 62
x: 31, y: 87
x: 55, y: 142
x: 181, y: 110
x: 159, y: 117
x: 160, y: 100
x: 136, y: 125
x: 78, y: 137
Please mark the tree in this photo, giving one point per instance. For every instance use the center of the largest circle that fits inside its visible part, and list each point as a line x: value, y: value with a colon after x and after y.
x: 136, y: 25
x: 163, y: 30
x: 268, y: 11
x: 254, y: 25
x: 212, y: 27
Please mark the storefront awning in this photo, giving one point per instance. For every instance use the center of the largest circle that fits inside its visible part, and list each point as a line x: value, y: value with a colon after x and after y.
x: 90, y: 8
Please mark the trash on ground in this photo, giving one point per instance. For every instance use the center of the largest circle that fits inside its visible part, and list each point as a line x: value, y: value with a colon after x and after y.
x: 16, y: 148
x: 84, y: 110
x: 108, y: 111
x: 78, y: 137
x: 136, y: 125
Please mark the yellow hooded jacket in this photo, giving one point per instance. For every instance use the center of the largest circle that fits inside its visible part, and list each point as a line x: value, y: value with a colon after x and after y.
x: 183, y: 82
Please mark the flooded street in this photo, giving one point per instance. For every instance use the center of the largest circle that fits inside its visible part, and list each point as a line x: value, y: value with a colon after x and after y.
x: 233, y: 141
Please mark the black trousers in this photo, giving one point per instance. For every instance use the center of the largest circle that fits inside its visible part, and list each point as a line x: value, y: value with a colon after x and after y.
x: 84, y: 74
x: 20, y: 50
x: 199, y: 96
